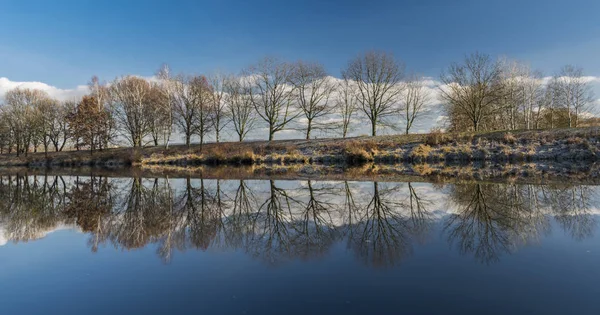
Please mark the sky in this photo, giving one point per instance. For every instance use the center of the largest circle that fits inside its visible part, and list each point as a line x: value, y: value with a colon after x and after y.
x: 58, y: 45
x: 64, y: 43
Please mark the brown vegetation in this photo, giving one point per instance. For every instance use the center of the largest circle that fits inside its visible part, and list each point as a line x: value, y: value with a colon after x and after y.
x: 562, y: 144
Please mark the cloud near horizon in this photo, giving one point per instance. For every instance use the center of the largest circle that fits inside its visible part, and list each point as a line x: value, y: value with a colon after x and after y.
x: 60, y: 94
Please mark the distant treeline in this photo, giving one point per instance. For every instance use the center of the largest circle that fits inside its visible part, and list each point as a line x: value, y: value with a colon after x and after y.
x: 477, y: 94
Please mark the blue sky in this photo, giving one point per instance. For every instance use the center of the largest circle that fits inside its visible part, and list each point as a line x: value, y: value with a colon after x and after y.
x: 63, y: 43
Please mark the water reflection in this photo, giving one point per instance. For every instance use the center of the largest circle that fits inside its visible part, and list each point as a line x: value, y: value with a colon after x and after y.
x: 493, y: 219
x: 278, y: 221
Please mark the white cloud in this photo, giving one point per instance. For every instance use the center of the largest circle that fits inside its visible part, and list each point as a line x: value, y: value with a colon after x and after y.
x: 60, y: 94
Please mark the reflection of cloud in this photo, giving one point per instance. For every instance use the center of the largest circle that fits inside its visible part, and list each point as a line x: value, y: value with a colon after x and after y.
x: 4, y: 238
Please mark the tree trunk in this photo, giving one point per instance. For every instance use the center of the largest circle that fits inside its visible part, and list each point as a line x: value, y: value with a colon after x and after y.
x: 374, y: 128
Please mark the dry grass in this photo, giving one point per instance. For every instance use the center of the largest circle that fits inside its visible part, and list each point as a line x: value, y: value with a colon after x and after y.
x: 423, y: 169
x: 421, y: 152
x: 509, y: 138
x: 355, y: 154
x: 576, y: 144
x: 436, y: 137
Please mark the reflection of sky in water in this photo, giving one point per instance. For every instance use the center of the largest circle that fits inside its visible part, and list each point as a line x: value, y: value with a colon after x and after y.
x: 260, y: 246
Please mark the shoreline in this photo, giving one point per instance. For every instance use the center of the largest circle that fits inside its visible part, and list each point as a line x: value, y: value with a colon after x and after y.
x: 514, y: 173
x: 557, y: 145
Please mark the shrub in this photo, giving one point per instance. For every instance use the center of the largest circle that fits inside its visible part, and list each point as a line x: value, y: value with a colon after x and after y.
x: 436, y: 137
x: 463, y: 137
x: 509, y: 138
x: 356, y: 155
x: 575, y: 140
x: 246, y: 158
x: 215, y: 157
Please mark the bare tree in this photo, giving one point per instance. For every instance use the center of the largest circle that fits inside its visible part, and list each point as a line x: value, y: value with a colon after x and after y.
x: 88, y: 123
x: 49, y: 112
x: 574, y: 92
x: 346, y: 103
x: 60, y: 132
x: 532, y: 93
x: 271, y: 96
x: 547, y: 105
x: 159, y: 113
x: 377, y: 76
x: 166, y: 83
x: 240, y: 105
x: 312, y: 89
x: 6, y: 134
x: 203, y: 94
x: 522, y: 90
x: 512, y: 75
x: 192, y: 99
x: 473, y: 89
x: 413, y: 100
x: 185, y: 107
x: 219, y: 110
x: 23, y: 116
x: 131, y: 108
x: 102, y: 94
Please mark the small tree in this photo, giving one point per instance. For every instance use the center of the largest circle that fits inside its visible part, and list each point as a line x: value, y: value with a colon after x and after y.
x: 270, y: 94
x: 413, y: 101
x: 203, y: 94
x: 23, y: 117
x: 312, y: 89
x: 574, y: 93
x: 219, y: 110
x: 377, y: 76
x: 346, y: 103
x: 241, y: 109
x: 49, y: 113
x: 159, y: 113
x: 131, y: 107
x: 88, y: 123
x: 166, y: 86
x: 472, y: 90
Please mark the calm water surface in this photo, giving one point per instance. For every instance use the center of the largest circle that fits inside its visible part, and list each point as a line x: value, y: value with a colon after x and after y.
x: 97, y: 245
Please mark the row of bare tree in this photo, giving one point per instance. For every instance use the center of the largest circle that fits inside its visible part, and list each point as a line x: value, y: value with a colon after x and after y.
x: 485, y: 94
x: 272, y: 93
x: 478, y: 94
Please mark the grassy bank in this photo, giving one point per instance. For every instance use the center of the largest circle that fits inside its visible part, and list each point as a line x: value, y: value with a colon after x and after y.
x: 556, y: 173
x: 575, y: 144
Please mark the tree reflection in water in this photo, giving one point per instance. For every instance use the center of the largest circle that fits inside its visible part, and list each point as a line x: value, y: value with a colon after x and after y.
x: 278, y: 221
x: 384, y: 229
x: 492, y: 219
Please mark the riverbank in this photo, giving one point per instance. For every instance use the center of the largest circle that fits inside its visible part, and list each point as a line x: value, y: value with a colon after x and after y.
x: 575, y: 144
x: 556, y: 173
